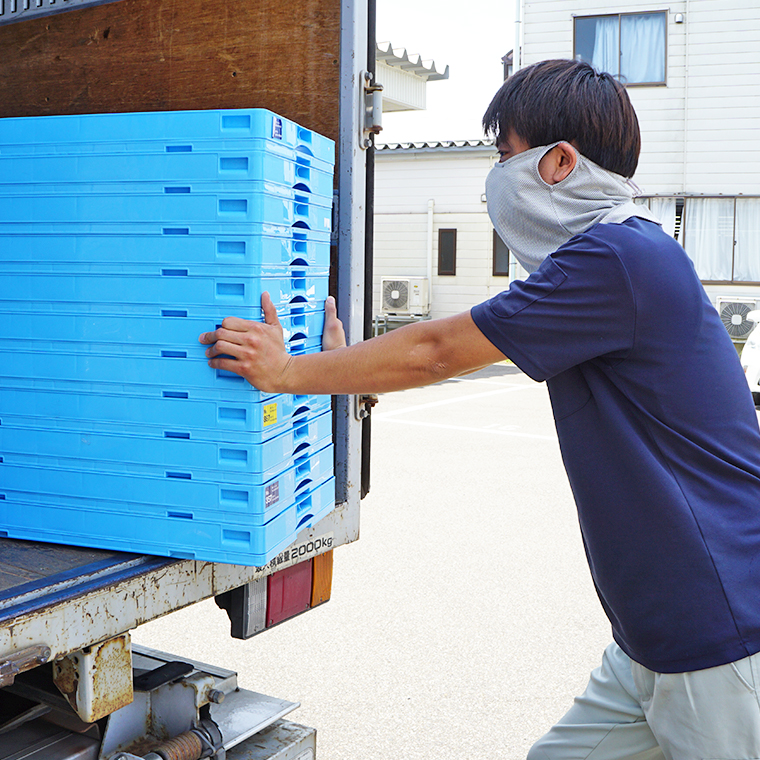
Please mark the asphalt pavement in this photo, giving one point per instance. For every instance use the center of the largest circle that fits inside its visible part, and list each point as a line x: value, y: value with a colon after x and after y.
x: 463, y: 621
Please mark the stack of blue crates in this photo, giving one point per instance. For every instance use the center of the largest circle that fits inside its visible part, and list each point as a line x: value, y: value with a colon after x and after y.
x: 123, y: 237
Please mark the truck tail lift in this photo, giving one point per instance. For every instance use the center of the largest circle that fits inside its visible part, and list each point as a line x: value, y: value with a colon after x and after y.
x: 178, y: 710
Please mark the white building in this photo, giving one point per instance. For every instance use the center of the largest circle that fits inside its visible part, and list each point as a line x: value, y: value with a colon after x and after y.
x: 693, y: 73
x: 431, y: 222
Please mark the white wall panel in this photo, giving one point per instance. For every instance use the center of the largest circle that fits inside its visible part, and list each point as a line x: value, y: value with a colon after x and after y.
x: 455, y: 180
x: 705, y: 117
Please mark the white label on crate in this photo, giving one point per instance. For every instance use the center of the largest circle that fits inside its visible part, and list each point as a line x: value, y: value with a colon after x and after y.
x: 277, y: 128
x: 272, y: 494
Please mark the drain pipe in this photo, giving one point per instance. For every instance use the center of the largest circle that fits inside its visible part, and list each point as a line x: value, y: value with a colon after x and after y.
x: 517, y: 52
x: 431, y: 210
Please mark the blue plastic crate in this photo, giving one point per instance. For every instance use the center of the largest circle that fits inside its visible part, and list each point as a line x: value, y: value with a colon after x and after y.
x: 226, y: 229
x: 24, y: 440
x: 176, y: 208
x: 304, y: 428
x: 291, y: 476
x: 160, y: 534
x: 22, y: 173
x: 165, y: 288
x: 237, y: 393
x: 169, y: 246
x: 166, y: 131
x: 133, y: 335
x: 172, y: 371
x: 119, y: 190
x: 200, y: 462
x: 184, y: 491
x: 100, y: 408
x: 232, y: 147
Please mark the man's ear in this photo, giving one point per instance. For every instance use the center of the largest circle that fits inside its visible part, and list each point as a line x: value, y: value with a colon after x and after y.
x: 557, y: 164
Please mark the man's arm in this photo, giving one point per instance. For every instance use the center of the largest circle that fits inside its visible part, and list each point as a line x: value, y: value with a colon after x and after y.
x: 408, y: 357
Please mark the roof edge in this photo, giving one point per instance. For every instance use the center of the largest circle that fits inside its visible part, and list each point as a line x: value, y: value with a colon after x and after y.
x: 464, y: 146
x: 399, y: 58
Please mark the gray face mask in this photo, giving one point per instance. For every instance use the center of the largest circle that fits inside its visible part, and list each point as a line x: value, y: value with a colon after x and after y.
x: 534, y: 218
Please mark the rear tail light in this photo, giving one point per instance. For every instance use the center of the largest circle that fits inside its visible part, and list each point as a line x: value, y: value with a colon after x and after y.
x: 267, y: 601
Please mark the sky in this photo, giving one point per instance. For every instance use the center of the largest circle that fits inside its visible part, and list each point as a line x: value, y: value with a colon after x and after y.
x: 471, y: 43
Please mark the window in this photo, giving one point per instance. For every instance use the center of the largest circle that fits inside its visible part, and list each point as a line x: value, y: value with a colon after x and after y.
x: 721, y: 235
x: 500, y: 257
x: 709, y: 237
x: 747, y: 240
x: 447, y: 251
x: 722, y: 238
x: 669, y: 210
x: 631, y: 46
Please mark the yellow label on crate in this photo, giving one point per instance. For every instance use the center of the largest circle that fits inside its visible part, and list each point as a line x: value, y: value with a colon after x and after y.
x: 270, y: 414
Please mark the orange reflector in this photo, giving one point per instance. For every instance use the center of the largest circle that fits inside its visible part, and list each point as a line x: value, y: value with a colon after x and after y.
x: 322, y: 578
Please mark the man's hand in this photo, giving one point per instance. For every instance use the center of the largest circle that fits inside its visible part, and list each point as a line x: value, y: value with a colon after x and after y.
x: 257, y: 348
x: 334, y: 335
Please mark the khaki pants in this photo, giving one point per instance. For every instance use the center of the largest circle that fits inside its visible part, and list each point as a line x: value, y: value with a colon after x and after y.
x: 630, y: 712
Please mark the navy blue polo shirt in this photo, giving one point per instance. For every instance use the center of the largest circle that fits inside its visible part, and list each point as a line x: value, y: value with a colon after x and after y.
x: 658, y: 434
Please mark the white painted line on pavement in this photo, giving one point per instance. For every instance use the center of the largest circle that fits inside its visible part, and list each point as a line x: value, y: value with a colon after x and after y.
x: 463, y: 428
x: 452, y: 400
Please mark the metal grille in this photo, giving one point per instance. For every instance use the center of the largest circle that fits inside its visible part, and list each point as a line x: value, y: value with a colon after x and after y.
x: 21, y: 10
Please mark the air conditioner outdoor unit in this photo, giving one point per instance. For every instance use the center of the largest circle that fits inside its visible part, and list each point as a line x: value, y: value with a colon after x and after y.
x: 404, y: 295
x: 733, y: 313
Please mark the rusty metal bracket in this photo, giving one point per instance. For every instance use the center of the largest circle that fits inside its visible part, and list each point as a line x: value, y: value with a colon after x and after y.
x: 363, y: 405
x: 97, y: 680
x: 18, y: 662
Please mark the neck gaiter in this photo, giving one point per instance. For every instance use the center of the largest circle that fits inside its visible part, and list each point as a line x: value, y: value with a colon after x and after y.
x: 534, y: 218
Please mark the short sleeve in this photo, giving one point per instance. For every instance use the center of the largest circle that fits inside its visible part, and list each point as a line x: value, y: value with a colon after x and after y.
x: 577, y: 306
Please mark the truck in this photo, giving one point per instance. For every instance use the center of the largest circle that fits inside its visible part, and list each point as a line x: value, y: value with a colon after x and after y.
x: 72, y: 686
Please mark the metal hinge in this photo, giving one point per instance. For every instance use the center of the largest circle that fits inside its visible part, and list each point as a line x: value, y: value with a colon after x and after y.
x: 372, y: 99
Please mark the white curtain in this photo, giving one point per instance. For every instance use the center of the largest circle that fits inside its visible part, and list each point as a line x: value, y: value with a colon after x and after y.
x: 665, y: 210
x: 642, y: 47
x: 747, y: 252
x: 606, y: 52
x: 709, y: 236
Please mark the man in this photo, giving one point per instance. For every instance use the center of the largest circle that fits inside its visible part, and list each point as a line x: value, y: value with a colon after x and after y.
x: 655, y: 421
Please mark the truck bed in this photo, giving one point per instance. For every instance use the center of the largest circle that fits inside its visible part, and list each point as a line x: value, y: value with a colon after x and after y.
x: 67, y: 598
x: 34, y: 575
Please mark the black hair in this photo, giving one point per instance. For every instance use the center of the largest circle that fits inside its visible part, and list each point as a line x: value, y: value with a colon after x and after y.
x: 569, y: 100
